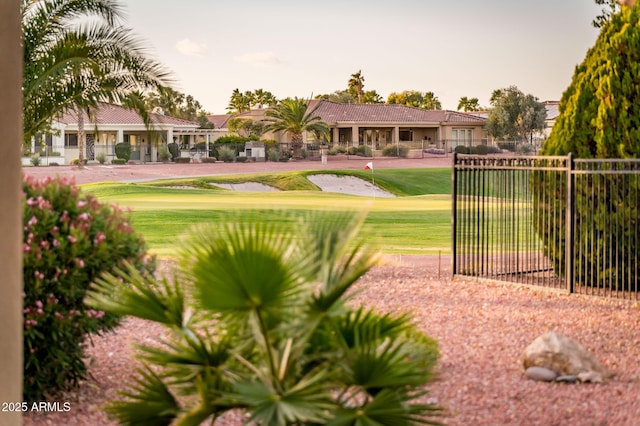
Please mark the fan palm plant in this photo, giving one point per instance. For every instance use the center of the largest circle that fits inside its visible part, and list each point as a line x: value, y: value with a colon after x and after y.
x: 76, y: 54
x: 291, y: 116
x: 261, y: 322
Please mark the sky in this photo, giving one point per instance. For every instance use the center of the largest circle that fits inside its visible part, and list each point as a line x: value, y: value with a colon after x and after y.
x: 306, y: 48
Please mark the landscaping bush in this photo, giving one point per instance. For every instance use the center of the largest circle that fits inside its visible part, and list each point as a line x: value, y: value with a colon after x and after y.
x: 479, y: 150
x: 119, y: 161
x: 174, y: 150
x: 209, y: 159
x: 123, y: 150
x: 69, y: 239
x: 163, y: 153
x: 226, y: 154
x: 76, y: 161
x: 101, y: 157
x: 35, y: 160
x: 183, y: 160
x: 396, y: 150
x: 273, y: 154
x: 461, y: 149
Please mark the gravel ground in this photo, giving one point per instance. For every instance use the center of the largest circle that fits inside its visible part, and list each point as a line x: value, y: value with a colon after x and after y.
x: 482, y: 329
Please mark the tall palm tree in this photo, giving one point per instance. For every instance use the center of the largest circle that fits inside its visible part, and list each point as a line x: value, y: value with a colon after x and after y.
x: 288, y: 348
x: 239, y: 102
x: 291, y: 116
x: 356, y: 85
x: 468, y: 104
x: 77, y: 54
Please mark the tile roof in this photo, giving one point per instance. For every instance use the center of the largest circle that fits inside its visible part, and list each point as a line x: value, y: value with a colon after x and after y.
x: 219, y: 121
x: 335, y: 112
x: 116, y: 114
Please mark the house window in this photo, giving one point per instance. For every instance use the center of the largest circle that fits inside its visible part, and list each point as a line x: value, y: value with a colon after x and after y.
x: 462, y: 137
x: 71, y: 140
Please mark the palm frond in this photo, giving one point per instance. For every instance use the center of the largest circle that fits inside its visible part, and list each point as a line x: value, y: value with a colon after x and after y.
x: 149, y: 402
x: 128, y: 292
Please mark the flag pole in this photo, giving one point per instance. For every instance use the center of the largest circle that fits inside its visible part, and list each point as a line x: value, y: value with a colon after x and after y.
x: 369, y: 166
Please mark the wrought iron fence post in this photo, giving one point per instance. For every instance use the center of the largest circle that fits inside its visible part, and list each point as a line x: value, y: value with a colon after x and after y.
x: 454, y: 208
x: 570, y: 232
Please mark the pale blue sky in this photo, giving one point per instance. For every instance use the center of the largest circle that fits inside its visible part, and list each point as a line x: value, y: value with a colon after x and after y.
x: 300, y: 48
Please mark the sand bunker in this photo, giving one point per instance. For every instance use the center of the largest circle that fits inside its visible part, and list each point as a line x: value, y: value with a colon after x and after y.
x: 247, y: 186
x: 348, y: 185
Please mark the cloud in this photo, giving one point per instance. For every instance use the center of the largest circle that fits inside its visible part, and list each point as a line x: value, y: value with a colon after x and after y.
x: 191, y: 48
x: 258, y: 59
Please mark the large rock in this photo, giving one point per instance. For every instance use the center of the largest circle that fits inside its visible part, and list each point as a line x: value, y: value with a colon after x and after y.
x: 565, y: 357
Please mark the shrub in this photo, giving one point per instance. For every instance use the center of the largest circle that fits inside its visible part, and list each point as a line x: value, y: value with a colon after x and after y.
x: 53, y: 164
x: 119, y: 161
x: 241, y: 159
x: 273, y: 154
x: 35, y: 160
x: 174, y: 150
x: 209, y: 159
x: 461, y: 149
x: 289, y: 347
x: 396, y: 150
x: 479, y: 150
x: 69, y: 239
x: 101, y: 157
x: 183, y: 160
x: 226, y: 154
x: 234, y: 139
x: 76, y: 161
x: 163, y: 153
x: 352, y: 150
x: 123, y: 150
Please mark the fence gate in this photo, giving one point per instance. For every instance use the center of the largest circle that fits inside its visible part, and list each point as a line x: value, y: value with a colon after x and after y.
x: 554, y: 222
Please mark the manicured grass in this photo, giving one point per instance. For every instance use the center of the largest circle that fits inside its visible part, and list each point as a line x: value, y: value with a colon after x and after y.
x: 163, y: 211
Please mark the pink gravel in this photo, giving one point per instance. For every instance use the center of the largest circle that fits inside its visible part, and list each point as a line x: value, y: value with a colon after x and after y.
x: 482, y: 328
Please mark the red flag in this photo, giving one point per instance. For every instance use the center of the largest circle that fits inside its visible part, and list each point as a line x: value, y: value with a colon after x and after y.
x: 369, y: 166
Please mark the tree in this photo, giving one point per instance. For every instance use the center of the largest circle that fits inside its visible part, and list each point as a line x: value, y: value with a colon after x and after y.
x: 414, y: 98
x: 77, y: 54
x: 291, y: 116
x: 288, y: 347
x: 239, y: 102
x: 600, y: 118
x: 372, y: 97
x: 167, y: 101
x: 340, y: 96
x: 261, y: 97
x: 246, y: 127
x: 515, y: 115
x: 356, y: 85
x: 468, y: 104
x: 611, y: 7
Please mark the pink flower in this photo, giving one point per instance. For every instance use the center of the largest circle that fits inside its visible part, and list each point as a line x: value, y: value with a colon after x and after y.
x: 81, y: 204
x: 80, y: 263
x: 84, y: 217
x: 33, y: 221
x: 72, y: 239
x: 56, y: 243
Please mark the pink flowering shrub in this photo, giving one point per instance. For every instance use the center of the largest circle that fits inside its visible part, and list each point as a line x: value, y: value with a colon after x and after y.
x: 69, y: 240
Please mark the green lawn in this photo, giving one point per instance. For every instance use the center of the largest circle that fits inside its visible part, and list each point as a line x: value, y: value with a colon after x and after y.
x: 416, y: 224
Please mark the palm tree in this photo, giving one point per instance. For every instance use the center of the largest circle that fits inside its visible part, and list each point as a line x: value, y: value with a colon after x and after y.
x: 239, y: 102
x: 272, y: 332
x: 291, y: 116
x: 262, y: 98
x: 431, y: 101
x: 468, y: 104
x: 77, y: 54
x: 356, y: 85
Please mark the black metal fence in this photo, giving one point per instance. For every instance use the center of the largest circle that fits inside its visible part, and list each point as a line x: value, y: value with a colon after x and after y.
x: 548, y: 221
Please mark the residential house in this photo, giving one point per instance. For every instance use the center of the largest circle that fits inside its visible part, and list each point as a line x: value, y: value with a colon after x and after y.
x: 382, y: 124
x: 110, y: 124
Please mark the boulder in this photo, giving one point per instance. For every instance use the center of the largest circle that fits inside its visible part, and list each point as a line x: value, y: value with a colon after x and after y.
x: 564, y: 357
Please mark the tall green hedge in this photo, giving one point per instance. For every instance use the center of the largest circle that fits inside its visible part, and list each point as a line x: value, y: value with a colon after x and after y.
x: 599, y: 118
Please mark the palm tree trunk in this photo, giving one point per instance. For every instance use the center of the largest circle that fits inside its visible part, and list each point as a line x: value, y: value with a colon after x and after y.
x: 81, y: 138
